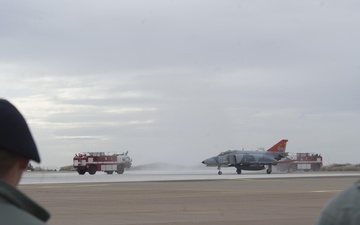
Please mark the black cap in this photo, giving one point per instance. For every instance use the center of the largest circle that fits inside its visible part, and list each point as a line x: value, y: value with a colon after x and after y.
x: 15, y: 135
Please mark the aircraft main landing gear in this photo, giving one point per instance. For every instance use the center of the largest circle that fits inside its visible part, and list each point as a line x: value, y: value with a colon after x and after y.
x: 238, y: 171
x: 269, y: 170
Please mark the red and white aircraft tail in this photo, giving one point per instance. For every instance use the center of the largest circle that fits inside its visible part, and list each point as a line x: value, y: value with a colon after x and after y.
x: 279, y: 147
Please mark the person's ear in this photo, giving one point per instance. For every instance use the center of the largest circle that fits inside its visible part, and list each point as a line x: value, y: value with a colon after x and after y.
x: 23, y: 163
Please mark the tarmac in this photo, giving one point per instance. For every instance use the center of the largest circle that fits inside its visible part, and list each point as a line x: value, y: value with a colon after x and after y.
x: 255, y: 201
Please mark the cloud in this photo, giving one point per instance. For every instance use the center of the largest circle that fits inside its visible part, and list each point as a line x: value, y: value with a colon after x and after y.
x: 168, y: 80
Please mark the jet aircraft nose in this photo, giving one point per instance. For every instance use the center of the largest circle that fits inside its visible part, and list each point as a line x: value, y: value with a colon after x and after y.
x: 209, y: 161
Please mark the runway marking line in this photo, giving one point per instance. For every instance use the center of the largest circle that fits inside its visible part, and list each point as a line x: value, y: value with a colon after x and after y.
x: 325, y: 191
x: 252, y: 179
x: 74, y: 185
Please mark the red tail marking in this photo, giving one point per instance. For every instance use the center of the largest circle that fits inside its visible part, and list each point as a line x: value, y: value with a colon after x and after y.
x: 279, y: 147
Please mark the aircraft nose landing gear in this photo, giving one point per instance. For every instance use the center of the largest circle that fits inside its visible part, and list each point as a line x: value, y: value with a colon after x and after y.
x: 219, y: 168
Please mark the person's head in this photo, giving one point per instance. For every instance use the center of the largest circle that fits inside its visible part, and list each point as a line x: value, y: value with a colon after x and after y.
x: 12, y: 167
x: 17, y: 145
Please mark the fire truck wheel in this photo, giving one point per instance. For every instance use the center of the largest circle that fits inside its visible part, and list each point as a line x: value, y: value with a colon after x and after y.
x: 316, y: 167
x: 120, y: 169
x: 92, y: 169
x: 81, y: 172
x: 109, y: 172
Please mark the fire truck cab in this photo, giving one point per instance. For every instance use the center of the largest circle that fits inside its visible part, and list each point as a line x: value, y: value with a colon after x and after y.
x: 100, y: 161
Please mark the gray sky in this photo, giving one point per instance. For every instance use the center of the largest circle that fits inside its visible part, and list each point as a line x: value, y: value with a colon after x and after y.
x: 180, y: 81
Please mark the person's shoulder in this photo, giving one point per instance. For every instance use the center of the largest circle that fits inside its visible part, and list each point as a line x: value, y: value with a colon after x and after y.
x: 10, y: 214
x: 344, y: 208
x: 349, y: 196
x: 12, y: 199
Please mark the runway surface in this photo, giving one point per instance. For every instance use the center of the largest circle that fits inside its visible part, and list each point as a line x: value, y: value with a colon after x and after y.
x: 164, y: 175
x: 184, y: 198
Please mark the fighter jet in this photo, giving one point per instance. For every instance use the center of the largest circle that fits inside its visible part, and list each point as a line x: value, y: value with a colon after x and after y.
x: 249, y: 160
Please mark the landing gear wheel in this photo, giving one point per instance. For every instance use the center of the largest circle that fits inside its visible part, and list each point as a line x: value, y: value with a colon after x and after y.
x: 238, y: 171
x: 92, y: 169
x: 269, y: 170
x: 120, y: 169
x: 219, y: 168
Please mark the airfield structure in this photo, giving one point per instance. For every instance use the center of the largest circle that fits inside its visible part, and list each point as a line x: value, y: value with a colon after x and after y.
x: 100, y: 161
x: 301, y: 161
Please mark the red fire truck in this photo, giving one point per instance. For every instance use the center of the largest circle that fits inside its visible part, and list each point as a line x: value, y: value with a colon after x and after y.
x: 101, y: 161
x: 301, y: 161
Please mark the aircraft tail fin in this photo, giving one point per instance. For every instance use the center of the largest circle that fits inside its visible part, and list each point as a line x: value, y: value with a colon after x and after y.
x: 279, y: 147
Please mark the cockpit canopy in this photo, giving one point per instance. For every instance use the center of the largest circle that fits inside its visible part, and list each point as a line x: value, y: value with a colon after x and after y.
x: 226, y: 152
